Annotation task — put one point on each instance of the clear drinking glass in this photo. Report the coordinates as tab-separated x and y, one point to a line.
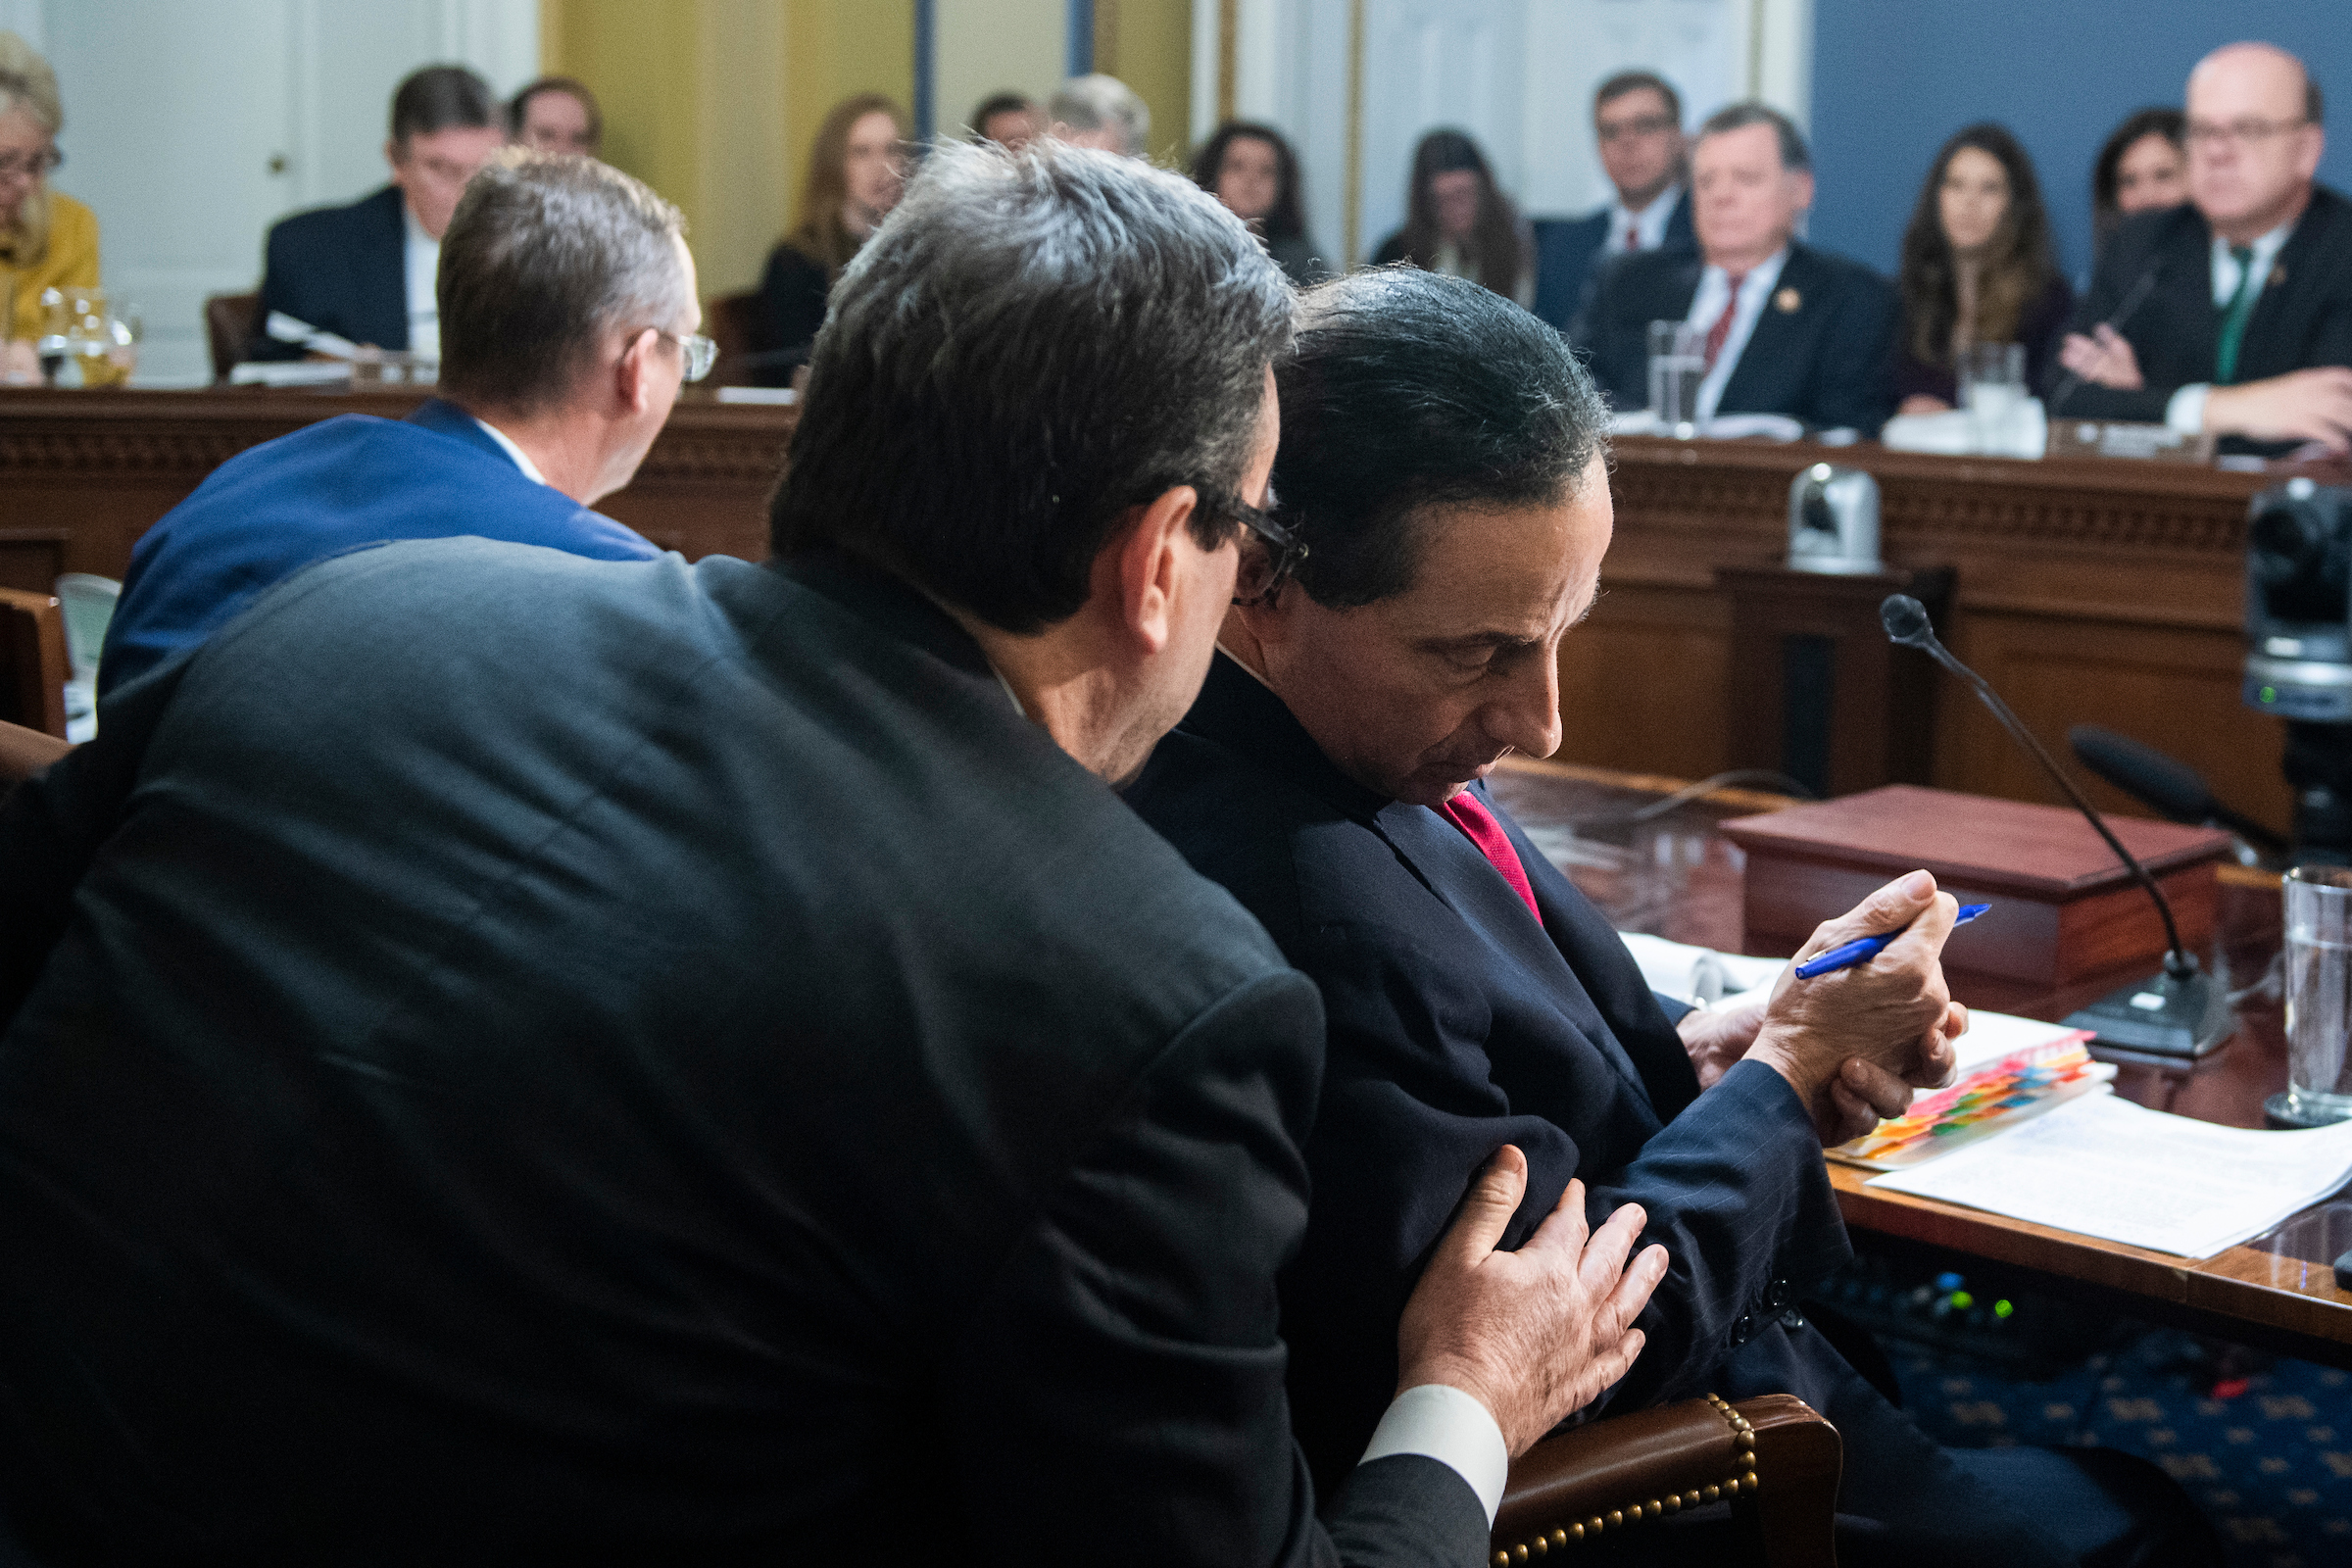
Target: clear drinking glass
1678	363
1992	388
2319	994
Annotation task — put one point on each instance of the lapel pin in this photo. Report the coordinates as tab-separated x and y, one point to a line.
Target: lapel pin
1787	301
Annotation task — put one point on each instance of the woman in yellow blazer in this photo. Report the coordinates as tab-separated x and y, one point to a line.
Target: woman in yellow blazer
47	240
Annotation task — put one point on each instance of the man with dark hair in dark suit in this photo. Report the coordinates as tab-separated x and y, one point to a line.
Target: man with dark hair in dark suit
2230	315
1788	329
1441	460
1638	123
517	1059
365	273
573	313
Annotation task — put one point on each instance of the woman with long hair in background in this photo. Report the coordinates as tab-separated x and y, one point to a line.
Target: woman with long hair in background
1250	167
1978	268
1460	223
857	169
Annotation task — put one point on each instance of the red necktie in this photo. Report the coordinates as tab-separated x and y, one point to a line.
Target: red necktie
1632	236
1477	825
1721	330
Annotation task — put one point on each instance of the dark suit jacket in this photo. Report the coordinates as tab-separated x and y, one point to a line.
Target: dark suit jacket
1828	363
1457	1025
2302	318
793	292
1569	260
329	487
548	1060
341	269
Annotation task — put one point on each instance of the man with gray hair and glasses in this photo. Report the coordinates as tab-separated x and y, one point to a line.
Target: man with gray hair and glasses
567	298
512	1057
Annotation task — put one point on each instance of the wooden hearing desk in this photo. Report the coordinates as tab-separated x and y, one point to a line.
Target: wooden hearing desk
83	475
1675	877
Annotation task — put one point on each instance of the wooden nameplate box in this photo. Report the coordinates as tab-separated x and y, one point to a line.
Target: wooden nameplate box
2063	906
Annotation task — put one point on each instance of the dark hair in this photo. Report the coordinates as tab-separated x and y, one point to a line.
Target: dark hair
1498	251
1285	218
1031	345
1407	390
519	106
1794	154
2019	260
999	103
2107	174
441	98
545	254
1624	82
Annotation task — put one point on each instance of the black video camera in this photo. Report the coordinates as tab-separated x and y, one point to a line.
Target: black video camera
2299	650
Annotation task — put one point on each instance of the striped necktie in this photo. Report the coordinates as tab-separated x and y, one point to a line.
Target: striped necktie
2234	322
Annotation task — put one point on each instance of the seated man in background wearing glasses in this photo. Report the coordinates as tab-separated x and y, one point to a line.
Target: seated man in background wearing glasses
2231	314
567	298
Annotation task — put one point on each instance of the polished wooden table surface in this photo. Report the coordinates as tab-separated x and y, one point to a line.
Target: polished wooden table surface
1673	875
83	475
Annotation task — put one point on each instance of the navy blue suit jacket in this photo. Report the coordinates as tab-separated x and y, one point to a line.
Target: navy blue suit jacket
330	487
340	268
524	1058
1458	1024
1569	262
1823	350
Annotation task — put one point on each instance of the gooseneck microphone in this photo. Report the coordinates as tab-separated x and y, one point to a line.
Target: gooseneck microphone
2182	1012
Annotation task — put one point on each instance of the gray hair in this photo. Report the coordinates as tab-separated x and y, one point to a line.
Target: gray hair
547	253
1029	347
1796	157
1097	103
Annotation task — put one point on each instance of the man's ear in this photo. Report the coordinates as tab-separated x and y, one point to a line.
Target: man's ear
1151	567
632	375
1804	189
392	157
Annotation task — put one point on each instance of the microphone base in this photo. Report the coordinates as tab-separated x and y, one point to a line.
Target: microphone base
2175	1017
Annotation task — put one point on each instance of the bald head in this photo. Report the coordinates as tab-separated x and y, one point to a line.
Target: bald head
2254	139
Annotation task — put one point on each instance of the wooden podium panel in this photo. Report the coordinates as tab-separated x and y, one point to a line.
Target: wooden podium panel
2088	590
2063	906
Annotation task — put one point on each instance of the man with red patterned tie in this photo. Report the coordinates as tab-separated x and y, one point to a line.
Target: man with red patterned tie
1442	464
1789	329
1638	125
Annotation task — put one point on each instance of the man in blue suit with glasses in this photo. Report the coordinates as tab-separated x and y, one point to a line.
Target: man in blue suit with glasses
568	298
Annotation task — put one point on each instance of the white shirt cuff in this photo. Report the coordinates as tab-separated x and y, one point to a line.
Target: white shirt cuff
1441	1422
2185	412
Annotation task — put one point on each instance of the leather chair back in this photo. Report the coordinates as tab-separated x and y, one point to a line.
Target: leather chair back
33	666
227	324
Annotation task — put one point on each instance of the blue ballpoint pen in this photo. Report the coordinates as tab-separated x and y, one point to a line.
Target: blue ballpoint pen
1869	948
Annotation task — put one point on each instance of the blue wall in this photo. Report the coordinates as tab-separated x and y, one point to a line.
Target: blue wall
1892	78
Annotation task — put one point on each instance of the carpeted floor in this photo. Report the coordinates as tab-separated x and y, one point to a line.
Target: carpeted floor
2265	1447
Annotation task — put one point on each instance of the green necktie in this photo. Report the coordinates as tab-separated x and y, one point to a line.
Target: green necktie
2234	324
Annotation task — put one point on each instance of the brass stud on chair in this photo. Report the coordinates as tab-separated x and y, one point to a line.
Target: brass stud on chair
1596	1524
1713	1492
1617	1517
1540	1544
1674	1502
1560	1537
1519	1554
1502	1559
1576	1531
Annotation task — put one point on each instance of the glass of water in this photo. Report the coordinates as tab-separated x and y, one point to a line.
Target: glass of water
2319	994
1678	363
1992	388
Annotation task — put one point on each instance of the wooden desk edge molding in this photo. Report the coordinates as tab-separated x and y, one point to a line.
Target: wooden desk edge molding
83	474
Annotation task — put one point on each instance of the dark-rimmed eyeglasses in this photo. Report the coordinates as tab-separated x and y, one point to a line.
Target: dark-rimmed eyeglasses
1269	559
699	353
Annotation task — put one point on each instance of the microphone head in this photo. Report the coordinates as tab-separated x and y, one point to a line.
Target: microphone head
1906	622
2167	783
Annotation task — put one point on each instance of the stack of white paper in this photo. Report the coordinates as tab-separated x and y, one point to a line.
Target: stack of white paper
1699	974
2107	1168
